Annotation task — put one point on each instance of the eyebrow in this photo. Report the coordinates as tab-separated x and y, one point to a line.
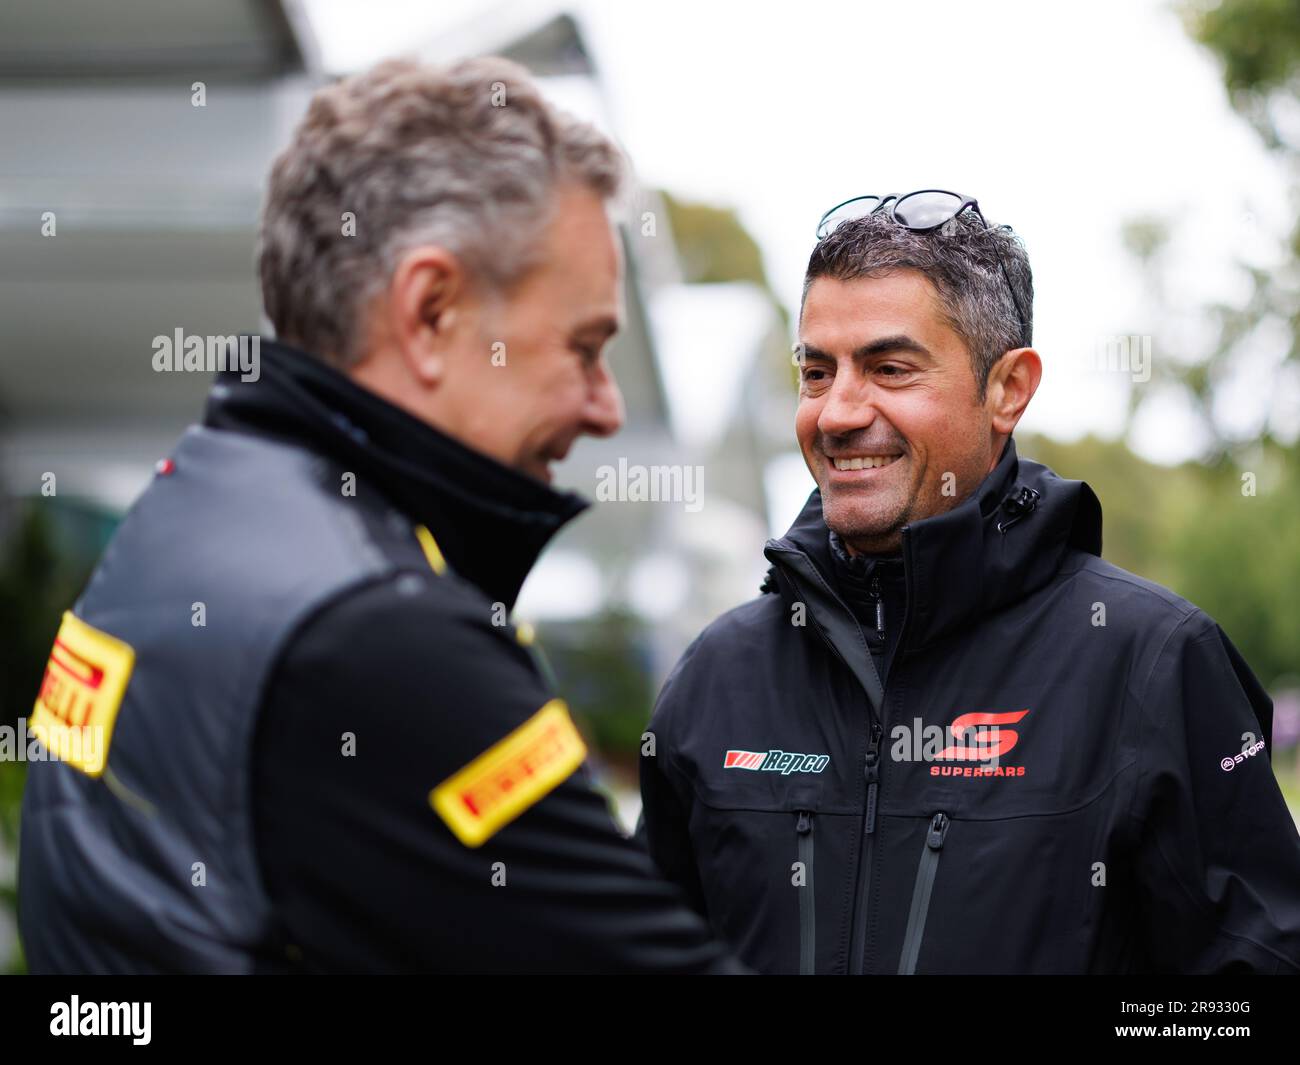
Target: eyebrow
898	342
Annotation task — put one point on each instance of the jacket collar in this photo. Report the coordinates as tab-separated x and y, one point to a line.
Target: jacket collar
1001	543
490	521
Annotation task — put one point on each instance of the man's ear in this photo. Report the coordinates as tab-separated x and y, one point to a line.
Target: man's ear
1013	380
426	302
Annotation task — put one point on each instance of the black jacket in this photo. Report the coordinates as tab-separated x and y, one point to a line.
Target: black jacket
356	763
363	873
1122	817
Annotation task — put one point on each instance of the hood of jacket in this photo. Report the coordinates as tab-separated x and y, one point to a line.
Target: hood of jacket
491	522
997	546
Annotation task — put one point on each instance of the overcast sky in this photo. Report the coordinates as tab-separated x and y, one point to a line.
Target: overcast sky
1063	120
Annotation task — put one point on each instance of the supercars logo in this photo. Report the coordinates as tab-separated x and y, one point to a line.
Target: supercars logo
982	745
980	737
774	761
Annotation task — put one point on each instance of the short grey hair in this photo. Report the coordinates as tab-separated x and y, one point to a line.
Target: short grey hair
960	259
465	157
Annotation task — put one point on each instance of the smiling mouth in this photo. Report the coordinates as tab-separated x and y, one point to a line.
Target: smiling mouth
864	462
544	462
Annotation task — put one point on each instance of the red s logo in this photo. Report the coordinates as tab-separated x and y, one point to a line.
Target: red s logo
993	744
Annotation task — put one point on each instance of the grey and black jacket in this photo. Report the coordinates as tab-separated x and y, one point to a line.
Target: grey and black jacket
333	751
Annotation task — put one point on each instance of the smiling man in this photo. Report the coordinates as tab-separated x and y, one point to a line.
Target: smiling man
949	738
939	439
327	747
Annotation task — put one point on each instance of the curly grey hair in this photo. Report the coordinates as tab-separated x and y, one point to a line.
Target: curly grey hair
960	259
466	157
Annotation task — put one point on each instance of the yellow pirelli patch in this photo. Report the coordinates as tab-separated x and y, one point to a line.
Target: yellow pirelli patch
510	776
81	693
432	552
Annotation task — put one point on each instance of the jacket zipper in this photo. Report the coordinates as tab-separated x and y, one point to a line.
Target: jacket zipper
807	900
880	608
920	908
871	771
862	884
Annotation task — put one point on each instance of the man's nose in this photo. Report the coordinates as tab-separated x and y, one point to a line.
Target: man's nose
604	412
848	407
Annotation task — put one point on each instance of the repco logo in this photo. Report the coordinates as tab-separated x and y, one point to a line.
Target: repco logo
980	737
783	762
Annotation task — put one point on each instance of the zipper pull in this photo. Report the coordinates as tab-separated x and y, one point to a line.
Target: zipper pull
880	607
872	773
804	824
873	750
938	830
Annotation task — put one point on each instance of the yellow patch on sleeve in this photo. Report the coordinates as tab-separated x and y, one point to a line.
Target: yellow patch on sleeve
432	552
510	776
81	693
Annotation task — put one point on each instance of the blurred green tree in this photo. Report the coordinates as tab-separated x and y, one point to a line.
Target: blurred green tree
1257	44
39	578
1223	531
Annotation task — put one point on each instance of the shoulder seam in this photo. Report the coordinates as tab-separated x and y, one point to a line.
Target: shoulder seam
1141	584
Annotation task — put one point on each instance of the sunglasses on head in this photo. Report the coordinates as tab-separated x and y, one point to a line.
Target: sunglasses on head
920	212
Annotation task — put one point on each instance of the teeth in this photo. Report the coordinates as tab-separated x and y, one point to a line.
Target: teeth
864	462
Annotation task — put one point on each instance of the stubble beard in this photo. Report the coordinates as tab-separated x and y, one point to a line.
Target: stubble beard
862	530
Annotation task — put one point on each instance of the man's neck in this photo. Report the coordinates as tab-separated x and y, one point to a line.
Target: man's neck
847	550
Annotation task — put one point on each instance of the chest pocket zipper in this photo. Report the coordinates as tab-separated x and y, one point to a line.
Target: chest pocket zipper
925	871
807	903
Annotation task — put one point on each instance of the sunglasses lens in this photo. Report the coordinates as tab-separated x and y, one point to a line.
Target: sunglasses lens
927	210
858	208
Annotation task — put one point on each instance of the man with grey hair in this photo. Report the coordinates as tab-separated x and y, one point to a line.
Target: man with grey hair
949	738
328	748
